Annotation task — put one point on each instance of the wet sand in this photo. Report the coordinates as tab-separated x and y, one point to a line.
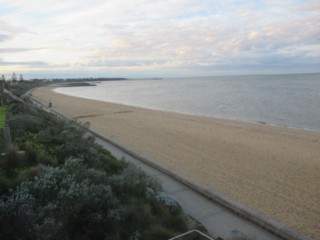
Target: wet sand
273	170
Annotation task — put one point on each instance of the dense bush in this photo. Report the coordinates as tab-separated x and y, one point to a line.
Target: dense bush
73	201
64	186
23	87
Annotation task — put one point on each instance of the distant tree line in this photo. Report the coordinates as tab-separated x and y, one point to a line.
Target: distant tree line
14	78
93	79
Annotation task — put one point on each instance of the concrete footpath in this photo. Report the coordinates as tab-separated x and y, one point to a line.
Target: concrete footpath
219	221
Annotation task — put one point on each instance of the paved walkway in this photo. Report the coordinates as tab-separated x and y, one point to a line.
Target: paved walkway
219	221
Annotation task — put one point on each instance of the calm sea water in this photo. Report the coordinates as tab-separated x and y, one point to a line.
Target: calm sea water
285	100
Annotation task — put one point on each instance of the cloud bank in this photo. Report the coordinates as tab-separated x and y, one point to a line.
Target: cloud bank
159	38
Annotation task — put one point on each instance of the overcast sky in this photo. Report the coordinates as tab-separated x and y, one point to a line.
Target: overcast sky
158	38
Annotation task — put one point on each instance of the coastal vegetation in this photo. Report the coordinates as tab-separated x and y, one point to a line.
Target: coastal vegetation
3	111
57	183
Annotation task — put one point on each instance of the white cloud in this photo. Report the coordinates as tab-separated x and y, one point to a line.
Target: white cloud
144	34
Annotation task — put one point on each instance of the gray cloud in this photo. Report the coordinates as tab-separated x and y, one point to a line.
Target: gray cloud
311	5
31	63
165	35
269	65
4	37
15	50
124	63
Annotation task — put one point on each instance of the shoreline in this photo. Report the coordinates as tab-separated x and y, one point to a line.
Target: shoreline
198	115
230	120
273	170
252	102
262	122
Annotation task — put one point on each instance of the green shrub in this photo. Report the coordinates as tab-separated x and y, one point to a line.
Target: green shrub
23	125
12	160
75	201
23	87
73	189
31	154
29	173
4	183
58	203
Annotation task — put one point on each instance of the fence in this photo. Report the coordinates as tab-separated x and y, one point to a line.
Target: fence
6	133
192	235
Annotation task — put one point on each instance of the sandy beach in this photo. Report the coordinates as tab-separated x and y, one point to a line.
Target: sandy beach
273	170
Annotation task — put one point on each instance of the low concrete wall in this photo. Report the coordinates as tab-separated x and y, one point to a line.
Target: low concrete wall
280	230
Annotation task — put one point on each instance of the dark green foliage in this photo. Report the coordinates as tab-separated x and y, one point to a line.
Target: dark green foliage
45	133
73	201
22	124
23	87
29	173
16	167
12	160
67	187
5	183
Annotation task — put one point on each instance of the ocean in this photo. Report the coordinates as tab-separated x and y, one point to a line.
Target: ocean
289	100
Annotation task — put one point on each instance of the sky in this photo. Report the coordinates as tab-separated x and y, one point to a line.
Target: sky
158	38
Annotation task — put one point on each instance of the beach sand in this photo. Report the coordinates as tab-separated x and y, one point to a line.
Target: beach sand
273	170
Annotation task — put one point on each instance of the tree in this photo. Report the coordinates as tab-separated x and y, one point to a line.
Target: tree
21	78
14	77
3	78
